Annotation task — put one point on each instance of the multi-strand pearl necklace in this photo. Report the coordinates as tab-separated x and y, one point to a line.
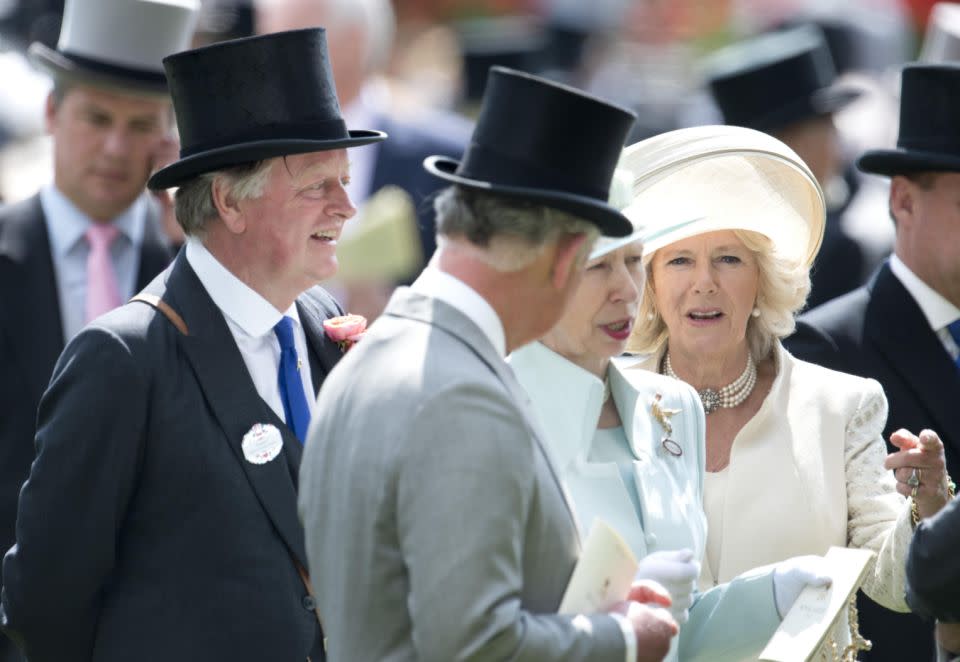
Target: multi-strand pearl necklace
731	395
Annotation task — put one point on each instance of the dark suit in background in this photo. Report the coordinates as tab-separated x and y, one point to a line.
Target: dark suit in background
879	331
933	566
399	162
31	339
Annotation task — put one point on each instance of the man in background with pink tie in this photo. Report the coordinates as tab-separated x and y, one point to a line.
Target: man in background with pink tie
90	239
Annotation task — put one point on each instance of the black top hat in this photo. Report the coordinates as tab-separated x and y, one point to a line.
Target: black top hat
254	98
774	80
929	137
546	142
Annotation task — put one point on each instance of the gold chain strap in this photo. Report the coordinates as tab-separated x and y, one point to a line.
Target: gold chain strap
831	651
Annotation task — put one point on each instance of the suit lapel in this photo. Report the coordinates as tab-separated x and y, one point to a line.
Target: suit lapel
896	326
407	303
324	353
30	294
234	401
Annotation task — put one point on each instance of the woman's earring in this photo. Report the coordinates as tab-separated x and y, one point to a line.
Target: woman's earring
755	312
651	316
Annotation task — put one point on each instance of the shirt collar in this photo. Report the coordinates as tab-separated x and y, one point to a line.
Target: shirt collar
453	291
71	223
938	311
253	314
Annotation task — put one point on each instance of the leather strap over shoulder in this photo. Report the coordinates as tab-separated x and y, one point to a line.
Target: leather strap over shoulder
163	307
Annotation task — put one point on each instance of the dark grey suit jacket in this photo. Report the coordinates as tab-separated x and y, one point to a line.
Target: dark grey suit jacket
437	529
143	532
31	339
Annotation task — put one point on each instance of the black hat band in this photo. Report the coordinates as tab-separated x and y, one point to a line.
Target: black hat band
487	164
321	130
113	70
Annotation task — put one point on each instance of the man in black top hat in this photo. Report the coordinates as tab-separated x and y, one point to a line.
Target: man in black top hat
109	116
426	455
784	83
901	327
159	521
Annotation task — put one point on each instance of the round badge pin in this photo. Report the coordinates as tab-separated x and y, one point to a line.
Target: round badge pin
262	443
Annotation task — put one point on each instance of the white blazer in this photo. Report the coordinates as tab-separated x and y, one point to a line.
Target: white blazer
729	623
806	472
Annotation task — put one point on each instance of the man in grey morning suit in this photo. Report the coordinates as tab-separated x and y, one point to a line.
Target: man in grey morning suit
436	528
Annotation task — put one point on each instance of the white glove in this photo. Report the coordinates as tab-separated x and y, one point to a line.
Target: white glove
677	572
792	575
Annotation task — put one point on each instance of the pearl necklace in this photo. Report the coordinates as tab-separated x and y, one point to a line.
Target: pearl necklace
731	395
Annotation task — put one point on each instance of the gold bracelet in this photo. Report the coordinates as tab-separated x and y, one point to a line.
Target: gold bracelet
915	510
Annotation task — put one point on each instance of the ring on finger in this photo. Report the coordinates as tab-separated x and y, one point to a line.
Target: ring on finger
913	492
914	480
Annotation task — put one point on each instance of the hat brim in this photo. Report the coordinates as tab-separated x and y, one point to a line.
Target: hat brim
63	67
610	221
704	179
189	167
832	99
890	162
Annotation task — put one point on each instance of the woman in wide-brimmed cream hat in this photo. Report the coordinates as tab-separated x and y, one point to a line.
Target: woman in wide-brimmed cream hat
795	460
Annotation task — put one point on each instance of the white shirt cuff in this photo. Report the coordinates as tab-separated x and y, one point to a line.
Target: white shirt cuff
629	637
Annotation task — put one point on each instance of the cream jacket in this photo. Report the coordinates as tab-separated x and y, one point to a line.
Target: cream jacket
806	473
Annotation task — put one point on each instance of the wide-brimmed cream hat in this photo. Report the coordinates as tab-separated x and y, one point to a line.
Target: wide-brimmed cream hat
702	179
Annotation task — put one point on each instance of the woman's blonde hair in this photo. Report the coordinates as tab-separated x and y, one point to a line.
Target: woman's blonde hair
781	292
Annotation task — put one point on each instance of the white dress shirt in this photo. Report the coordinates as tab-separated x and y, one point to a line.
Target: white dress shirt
454	292
938	311
251	319
66	227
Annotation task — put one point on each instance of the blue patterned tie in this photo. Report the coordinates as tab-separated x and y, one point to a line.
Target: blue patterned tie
295	406
954	329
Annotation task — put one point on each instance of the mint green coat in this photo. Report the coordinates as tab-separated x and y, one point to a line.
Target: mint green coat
728	623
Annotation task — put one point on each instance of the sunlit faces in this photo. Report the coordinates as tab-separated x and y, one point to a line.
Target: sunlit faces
705	288
600	316
290	232
105	144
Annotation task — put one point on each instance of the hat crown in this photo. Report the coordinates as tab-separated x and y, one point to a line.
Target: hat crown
269	87
929	107
703	179
769	81
540	134
133	34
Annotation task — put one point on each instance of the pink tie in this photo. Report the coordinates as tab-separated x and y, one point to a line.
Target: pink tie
103	294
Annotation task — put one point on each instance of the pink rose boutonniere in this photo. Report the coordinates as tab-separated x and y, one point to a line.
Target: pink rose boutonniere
345	330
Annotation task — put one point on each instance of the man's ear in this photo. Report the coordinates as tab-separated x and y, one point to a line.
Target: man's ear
568	259
227	207
903	199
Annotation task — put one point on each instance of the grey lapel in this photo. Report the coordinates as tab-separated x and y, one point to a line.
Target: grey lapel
235	403
408	304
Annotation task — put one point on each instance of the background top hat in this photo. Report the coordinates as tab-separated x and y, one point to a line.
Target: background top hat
254	98
118	44
941	43
929	135
545	142
776	79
